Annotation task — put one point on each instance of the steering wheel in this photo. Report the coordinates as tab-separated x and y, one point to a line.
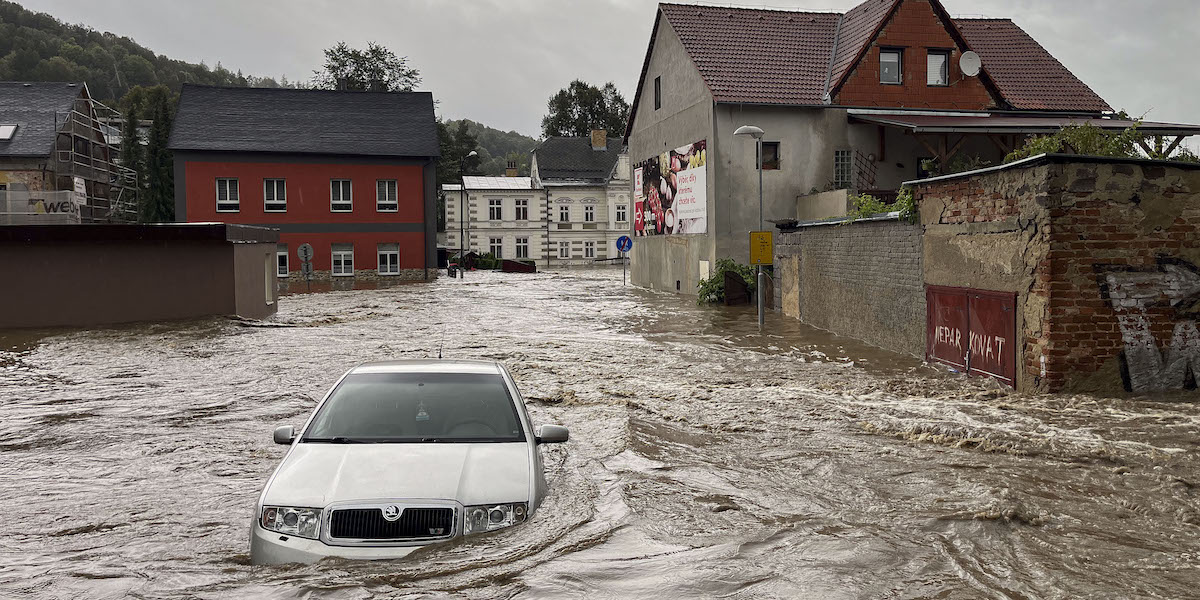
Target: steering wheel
464	424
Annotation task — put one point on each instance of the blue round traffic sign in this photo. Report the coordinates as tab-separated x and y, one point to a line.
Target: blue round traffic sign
624	243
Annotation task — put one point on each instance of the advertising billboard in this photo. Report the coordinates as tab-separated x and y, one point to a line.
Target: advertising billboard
670	194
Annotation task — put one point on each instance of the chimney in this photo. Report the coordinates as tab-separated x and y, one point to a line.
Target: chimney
599	140
511	170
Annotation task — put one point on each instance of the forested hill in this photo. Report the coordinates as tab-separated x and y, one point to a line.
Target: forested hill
38	47
497	147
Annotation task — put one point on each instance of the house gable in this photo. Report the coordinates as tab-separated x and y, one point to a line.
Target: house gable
680	84
915	27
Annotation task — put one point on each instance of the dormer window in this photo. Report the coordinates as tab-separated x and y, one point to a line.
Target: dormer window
938	65
7	132
890	65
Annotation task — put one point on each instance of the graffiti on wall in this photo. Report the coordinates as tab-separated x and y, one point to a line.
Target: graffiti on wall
1137	295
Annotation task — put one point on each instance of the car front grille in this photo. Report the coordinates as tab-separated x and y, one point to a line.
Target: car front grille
369	524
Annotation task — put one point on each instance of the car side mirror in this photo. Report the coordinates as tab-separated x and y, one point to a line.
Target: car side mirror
551	434
285	434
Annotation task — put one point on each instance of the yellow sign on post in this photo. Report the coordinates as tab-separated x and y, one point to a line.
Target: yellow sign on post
762	248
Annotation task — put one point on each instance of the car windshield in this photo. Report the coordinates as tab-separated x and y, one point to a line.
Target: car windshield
417	407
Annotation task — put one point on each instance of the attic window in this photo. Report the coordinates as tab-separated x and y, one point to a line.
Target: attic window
7	132
890	64
937	65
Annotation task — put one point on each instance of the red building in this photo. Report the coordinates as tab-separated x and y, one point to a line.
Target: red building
351	173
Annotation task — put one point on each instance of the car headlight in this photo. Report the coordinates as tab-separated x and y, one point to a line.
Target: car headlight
301	522
477	519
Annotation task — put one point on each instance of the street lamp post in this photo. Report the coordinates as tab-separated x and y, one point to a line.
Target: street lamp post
757	134
462	213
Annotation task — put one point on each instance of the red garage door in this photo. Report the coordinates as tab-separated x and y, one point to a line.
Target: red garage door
972	330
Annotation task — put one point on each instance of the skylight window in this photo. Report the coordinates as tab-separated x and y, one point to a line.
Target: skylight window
7	132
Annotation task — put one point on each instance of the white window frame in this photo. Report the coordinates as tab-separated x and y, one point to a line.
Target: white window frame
843	159
564	213
899	52
521	209
622	213
389	197
522	247
943	70
275	185
342	186
589	249
338	257
564	249
496	246
235	199
589	213
281	251
495	209
385	254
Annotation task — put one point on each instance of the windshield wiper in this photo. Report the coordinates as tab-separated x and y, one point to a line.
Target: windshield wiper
338	439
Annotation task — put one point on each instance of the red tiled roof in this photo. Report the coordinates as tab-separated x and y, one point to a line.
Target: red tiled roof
788	57
1028	76
859	26
769	56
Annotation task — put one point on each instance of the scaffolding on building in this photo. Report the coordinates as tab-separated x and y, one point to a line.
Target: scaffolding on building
86	157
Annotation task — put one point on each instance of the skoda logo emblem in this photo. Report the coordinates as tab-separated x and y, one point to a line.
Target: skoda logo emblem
392	512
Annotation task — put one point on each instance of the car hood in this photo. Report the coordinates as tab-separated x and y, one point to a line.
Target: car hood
317	474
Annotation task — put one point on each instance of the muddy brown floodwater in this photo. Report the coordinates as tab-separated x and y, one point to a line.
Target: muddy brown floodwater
705	460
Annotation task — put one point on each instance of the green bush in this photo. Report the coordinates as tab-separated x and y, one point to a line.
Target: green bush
712	288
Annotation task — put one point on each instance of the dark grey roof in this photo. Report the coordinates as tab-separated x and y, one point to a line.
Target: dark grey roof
38	109
572	158
230	119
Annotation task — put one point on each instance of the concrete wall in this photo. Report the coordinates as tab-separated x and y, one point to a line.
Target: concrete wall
822	205
862	280
673	262
104	274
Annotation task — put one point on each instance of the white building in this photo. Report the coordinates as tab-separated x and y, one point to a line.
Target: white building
570	212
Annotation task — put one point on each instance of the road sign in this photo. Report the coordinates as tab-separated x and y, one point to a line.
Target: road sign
306	268
762	248
624	243
305	252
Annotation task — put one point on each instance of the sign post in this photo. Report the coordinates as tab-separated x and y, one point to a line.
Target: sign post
305	252
624	244
762	249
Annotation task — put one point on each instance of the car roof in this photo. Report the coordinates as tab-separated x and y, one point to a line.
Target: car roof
432	365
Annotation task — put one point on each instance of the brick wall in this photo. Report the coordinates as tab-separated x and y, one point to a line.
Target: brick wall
862	280
914	28
1103	257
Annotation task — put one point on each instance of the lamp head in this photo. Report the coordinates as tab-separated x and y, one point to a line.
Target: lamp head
749	130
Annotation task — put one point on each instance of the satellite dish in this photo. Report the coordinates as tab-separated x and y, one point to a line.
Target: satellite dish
969	63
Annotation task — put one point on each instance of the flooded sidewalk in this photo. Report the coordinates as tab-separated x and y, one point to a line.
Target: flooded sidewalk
706	459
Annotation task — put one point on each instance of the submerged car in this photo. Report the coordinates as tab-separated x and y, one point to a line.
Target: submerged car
399	455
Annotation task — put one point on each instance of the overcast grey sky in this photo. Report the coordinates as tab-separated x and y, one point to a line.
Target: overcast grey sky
498	61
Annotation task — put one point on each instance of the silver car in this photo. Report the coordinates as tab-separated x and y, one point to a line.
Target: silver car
399	455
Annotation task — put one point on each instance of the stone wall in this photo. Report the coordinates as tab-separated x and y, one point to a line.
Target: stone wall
862	280
1102	255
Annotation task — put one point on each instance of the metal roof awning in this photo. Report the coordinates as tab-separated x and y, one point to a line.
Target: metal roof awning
1010	124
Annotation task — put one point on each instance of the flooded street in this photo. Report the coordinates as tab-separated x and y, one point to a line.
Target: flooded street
705	460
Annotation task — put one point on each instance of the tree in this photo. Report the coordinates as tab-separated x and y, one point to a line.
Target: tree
159	203
580	107
455	145
375	69
131	149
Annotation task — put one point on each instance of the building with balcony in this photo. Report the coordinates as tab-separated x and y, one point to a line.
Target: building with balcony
850	103
351	173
